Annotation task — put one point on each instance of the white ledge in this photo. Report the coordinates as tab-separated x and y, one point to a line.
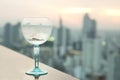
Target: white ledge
13	66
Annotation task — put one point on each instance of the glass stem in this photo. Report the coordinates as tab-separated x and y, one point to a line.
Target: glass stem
36	55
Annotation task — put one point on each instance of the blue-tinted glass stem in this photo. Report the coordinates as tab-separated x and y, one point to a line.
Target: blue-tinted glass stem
36	55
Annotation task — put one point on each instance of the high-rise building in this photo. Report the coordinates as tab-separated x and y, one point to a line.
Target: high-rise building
86	25
89	27
113	66
7	35
16	32
61	44
12	36
59	51
62	38
91	50
92	58
92	30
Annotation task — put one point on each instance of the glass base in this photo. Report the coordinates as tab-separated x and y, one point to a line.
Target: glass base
37	72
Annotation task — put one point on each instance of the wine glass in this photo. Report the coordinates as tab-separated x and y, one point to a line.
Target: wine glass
36	31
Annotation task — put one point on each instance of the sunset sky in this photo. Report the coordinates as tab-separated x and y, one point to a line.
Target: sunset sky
106	12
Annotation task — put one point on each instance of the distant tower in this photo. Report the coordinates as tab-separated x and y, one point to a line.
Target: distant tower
68	39
62	38
7	35
12	36
59	46
58	37
91	50
60	32
89	27
92	30
86	25
17	36
16	32
113	66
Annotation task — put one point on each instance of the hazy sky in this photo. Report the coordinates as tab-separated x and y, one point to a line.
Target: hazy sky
106	12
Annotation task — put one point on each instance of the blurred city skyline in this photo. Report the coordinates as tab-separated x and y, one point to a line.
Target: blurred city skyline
107	13
87	53
86	42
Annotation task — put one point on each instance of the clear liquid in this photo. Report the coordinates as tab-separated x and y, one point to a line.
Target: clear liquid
37	38
36	34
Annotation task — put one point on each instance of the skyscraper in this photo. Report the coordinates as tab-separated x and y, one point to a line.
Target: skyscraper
17	36
57	46
7	35
61	43
62	38
91	50
113	66
89	27
16	32
92	30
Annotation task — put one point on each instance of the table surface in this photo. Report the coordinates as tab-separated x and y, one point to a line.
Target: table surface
13	66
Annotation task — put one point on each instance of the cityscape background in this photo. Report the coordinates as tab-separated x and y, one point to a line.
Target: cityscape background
86	53
85	41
